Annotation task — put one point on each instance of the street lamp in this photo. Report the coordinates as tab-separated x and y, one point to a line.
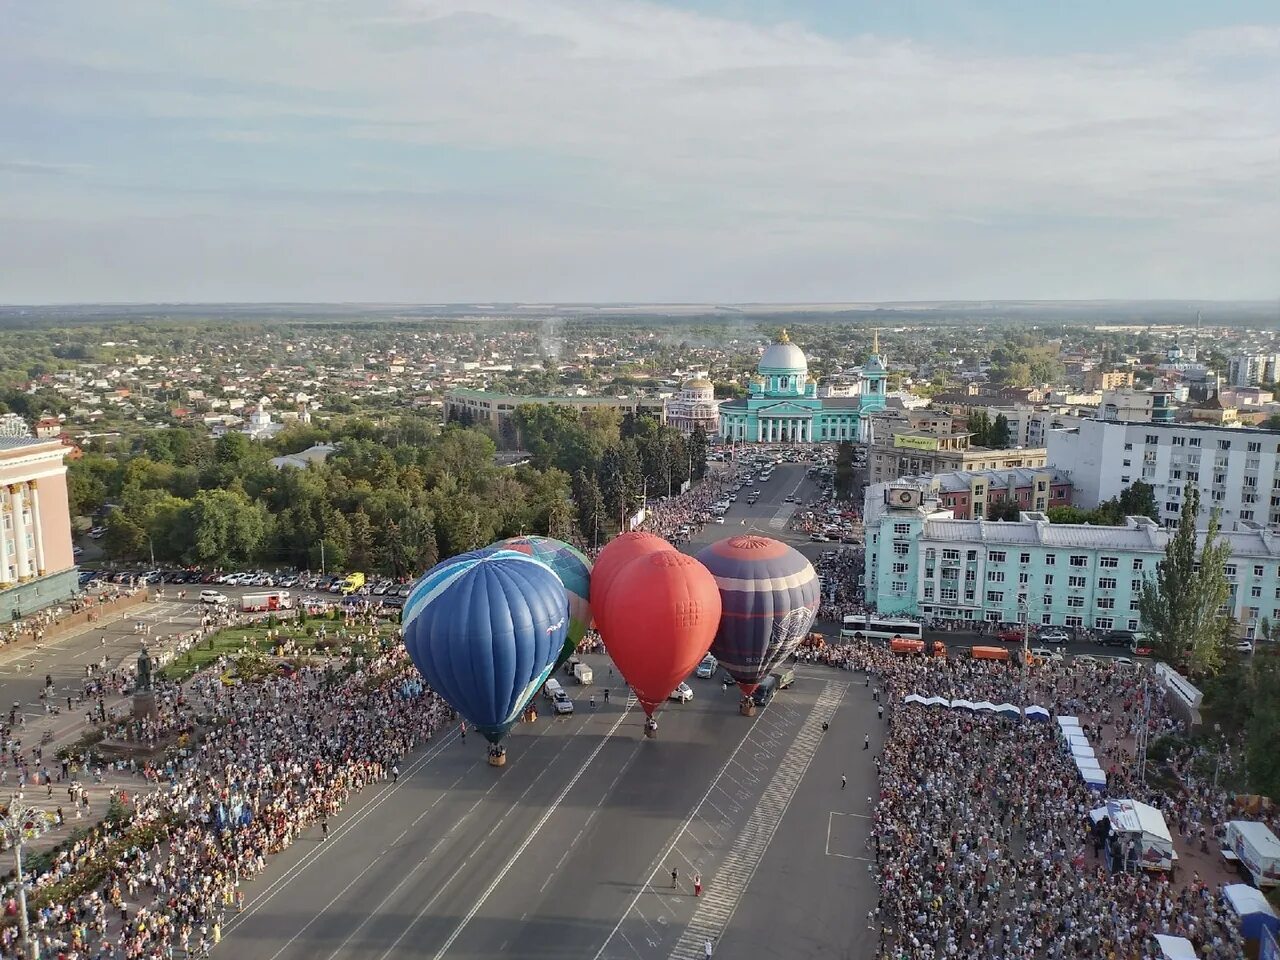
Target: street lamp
1026	644
22	822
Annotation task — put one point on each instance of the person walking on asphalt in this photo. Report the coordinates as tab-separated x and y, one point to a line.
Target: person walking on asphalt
697	884
880	711
675	878
707	948
606	694
866	742
844	781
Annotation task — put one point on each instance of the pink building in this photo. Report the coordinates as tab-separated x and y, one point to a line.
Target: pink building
37	567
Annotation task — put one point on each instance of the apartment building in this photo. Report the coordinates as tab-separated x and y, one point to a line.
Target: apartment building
921	561
911	454
1237	469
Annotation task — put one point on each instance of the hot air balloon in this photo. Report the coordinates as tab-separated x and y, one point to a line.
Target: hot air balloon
769	596
484	630
617	553
661	612
574	570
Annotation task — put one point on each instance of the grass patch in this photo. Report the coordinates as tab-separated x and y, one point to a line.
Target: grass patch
235	640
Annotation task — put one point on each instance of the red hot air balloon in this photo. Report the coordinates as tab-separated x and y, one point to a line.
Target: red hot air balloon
617	553
661	614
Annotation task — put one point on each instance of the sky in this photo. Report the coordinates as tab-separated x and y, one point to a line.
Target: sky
631	150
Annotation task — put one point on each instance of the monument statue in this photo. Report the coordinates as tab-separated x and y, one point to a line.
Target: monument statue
144	670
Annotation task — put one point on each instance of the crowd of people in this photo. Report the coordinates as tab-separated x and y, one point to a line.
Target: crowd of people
274	758
37	626
981	837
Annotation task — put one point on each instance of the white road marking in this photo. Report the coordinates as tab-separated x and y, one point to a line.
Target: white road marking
519	850
721	897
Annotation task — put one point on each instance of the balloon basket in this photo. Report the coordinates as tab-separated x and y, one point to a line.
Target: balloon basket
747	707
497	757
651	729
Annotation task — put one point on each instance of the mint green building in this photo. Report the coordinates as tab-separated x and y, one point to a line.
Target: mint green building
783	405
921	562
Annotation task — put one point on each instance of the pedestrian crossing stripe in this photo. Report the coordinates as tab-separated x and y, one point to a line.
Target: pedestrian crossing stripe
721	896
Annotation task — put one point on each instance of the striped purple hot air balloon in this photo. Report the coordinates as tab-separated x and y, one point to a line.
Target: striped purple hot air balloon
769	596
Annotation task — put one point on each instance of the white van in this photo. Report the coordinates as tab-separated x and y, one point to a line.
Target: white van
707	668
551	688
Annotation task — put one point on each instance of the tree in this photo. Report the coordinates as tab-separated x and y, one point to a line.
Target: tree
590	504
698	451
1004	509
1139	500
222	527
998	437
1181	606
1272	422
1262	730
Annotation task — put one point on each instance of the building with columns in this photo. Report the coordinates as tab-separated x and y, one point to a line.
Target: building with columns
783	405
37	567
695	407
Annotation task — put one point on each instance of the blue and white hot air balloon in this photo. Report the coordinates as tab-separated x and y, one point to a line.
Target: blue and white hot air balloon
484	630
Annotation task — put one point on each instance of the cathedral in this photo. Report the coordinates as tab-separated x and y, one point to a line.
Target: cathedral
783	405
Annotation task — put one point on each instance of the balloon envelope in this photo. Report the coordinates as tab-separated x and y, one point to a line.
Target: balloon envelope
617	553
769	596
484	629
574	570
662	610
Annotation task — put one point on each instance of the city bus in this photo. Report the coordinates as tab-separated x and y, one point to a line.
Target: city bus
857	627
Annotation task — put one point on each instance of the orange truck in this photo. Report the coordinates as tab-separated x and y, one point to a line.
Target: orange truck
905	646
989	653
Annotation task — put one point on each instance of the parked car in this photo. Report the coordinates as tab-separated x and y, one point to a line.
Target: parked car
1117	638
682	693
1011	635
561	703
1053	636
213	596
1244	646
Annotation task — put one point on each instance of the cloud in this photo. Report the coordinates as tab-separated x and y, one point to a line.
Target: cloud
648	126
40	169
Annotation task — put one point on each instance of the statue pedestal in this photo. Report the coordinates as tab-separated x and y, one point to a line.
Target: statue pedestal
144	705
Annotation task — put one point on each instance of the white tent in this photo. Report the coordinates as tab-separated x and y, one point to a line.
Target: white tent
1065	721
1092	775
1084	752
913	698
1175	948
1253	909
1143	824
984	705
1077	741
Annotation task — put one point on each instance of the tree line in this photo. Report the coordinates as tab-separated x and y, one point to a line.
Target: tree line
393	497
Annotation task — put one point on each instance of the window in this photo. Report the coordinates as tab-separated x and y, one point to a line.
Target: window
973	555
1075	601
1254	446
1135	604
1106	583
1110	562
1255	592
995	576
995	596
1024	578
1246	514
1126	464
1076	583
900	587
902	529
1229	570
1224	444
1048	579
1128	446
1048	599
1103	623
1106	603
1257	569
928	591
1193	442
996	556
1079	560
1133	624
948	594
1024	558
1135	586
1179	441
1050	559
901	549
1072	621
1152	439
950	554
899	568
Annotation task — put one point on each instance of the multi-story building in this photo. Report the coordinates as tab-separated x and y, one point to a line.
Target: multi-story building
1252	369
910	454
1137	406
921	561
37	567
1237	469
969	495
695	406
494	408
1097	380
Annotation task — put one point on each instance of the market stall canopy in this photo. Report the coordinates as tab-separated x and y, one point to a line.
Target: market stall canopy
1146	826
1175	948
1252	908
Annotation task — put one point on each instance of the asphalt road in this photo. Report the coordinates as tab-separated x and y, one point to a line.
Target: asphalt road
567	851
